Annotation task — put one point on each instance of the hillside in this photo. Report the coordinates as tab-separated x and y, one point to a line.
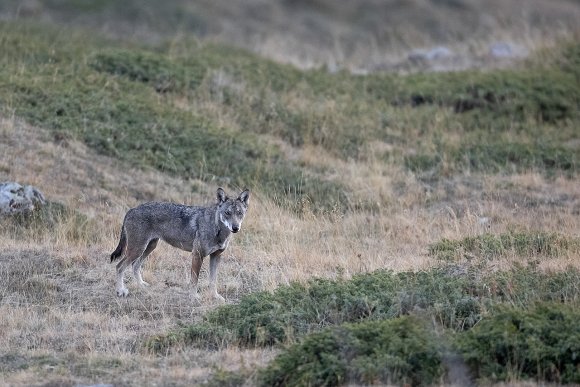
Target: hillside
432	207
357	35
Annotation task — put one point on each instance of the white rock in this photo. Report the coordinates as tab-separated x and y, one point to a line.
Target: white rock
16	198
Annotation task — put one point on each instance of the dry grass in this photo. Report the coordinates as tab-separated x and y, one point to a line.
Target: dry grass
62	323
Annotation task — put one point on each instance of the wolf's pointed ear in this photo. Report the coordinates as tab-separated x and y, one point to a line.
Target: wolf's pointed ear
221	196
244	196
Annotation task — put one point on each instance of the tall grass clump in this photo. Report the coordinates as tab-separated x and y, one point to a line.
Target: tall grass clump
52	220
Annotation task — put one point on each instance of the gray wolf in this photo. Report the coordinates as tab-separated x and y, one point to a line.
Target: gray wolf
201	230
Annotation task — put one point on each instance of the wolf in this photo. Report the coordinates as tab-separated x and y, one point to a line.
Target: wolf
201	230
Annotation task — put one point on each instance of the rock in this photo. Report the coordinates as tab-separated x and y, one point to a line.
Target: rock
507	50
15	198
430	55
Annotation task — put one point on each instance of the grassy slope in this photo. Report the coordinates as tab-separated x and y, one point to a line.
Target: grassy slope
165	109
371	171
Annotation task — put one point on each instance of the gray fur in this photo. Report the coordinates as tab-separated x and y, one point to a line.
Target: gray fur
202	230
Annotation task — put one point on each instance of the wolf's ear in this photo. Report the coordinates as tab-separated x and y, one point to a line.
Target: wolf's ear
244	197
221	195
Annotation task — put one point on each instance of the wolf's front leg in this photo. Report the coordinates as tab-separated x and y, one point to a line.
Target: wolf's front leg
214	262
196	261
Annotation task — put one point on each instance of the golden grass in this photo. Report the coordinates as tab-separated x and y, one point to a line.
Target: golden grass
61	322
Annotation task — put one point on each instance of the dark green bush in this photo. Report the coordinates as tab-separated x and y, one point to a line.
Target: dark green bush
399	351
156	70
542	343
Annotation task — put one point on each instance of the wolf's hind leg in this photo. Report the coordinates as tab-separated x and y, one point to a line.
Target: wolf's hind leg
122	291
196	261
139	262
132	253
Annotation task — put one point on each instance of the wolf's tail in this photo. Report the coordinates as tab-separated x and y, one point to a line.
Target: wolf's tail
122	242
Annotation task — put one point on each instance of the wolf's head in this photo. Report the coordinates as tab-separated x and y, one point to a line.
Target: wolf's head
231	212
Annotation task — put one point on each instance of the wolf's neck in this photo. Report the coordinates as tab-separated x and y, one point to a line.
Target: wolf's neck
222	231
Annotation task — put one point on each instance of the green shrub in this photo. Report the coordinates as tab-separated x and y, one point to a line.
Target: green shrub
543	94
452	297
542	343
156	70
399	351
516	157
505	157
489	246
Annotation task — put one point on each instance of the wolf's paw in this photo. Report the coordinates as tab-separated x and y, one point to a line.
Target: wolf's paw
219	297
124	292
144	284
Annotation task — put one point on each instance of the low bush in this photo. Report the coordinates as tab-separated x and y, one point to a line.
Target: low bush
454	299
290	312
540	342
156	70
399	351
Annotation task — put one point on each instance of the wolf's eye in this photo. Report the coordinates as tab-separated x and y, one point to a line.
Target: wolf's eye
239	213
228	213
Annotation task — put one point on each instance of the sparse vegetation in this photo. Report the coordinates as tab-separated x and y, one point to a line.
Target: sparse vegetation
73	225
488	246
